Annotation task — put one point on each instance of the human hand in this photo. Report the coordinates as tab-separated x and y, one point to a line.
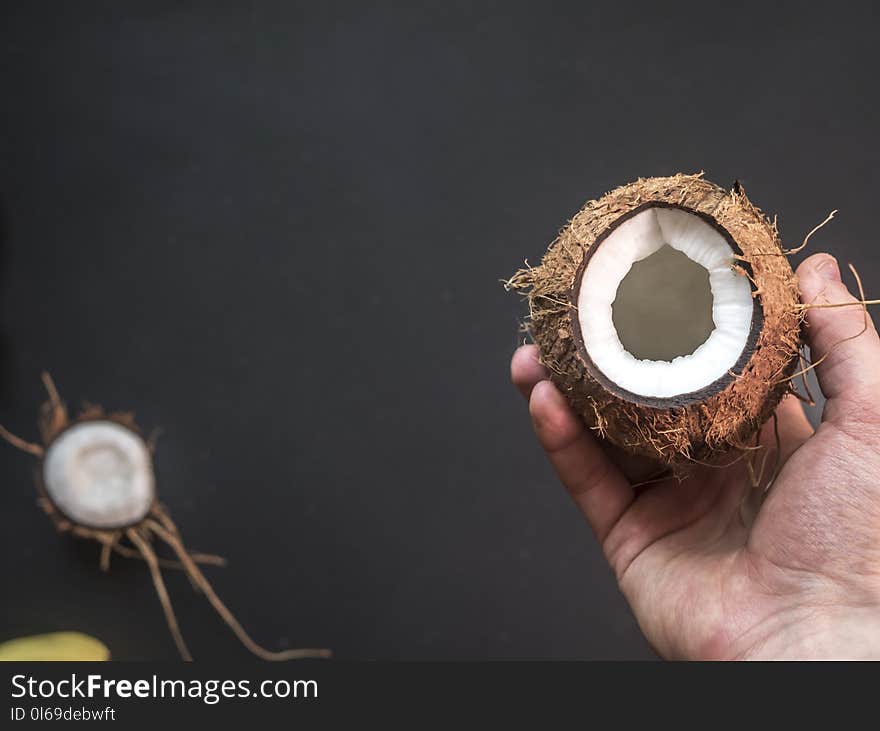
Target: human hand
706	574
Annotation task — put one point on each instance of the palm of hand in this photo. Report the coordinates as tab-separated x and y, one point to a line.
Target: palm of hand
720	580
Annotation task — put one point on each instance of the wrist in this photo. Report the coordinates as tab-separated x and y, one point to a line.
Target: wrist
824	633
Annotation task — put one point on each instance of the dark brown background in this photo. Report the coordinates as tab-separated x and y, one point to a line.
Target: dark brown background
277	231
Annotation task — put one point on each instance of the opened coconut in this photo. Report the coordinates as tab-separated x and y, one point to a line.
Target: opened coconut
666	312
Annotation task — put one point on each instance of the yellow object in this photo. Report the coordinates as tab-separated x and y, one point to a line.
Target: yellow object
56	646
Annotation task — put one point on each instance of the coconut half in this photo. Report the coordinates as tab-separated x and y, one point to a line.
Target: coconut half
100	474
666	312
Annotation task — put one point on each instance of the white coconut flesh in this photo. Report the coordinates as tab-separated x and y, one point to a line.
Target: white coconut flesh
650	284
100	474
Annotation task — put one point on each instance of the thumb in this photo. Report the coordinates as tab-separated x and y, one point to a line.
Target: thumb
842	341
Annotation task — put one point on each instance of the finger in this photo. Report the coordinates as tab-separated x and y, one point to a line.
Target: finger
843	341
596	485
526	369
661	511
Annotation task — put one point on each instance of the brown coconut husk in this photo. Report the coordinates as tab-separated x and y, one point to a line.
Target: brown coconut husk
695	427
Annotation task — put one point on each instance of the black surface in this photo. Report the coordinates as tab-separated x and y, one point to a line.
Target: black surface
277	232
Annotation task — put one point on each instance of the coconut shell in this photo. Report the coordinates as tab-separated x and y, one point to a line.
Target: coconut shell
700	426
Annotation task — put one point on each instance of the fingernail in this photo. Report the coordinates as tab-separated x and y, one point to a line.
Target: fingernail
828	269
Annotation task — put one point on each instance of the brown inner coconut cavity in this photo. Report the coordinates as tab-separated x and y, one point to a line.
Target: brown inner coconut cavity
663	306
